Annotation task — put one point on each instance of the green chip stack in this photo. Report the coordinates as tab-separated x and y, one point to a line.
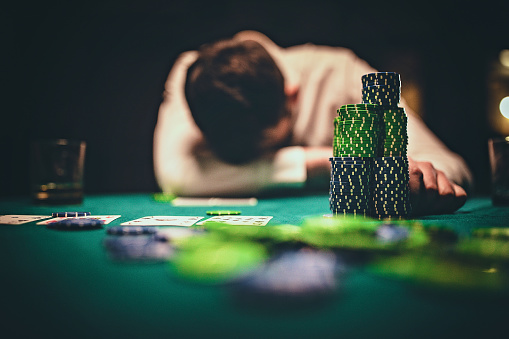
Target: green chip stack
357	131
374	132
394	132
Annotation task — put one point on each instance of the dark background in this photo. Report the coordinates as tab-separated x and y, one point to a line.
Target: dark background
96	70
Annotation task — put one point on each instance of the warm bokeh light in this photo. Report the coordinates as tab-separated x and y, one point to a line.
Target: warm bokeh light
504	57
504	107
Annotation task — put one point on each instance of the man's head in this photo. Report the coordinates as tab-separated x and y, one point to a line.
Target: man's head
236	95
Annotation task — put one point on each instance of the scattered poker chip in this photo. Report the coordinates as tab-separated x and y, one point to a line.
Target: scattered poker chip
164	197
69	214
304	275
138	248
131	230
340	232
438	272
489	250
392	233
501	233
76	224
273	233
219	261
223	212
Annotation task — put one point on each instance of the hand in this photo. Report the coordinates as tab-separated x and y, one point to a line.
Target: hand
318	166
431	192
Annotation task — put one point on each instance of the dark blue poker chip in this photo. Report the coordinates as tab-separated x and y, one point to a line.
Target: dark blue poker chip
390	159
131	230
388	200
69	214
390	233
351	211
351	167
348	192
138	248
402	206
390	184
348	202
348	185
77	224
355	170
295	276
390	175
380	78
336	182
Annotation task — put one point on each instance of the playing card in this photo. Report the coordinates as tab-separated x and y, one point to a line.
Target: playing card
163	221
105	218
172	233
15	219
240	220
183	201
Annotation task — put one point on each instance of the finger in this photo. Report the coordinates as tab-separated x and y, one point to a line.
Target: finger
445	202
415	179
461	196
428	193
416	192
429	177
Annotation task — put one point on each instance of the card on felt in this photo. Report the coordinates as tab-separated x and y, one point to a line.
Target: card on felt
240	220
173	233
183	201
105	218
18	219
163	221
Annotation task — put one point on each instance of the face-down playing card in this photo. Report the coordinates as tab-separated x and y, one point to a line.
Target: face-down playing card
239	220
163	221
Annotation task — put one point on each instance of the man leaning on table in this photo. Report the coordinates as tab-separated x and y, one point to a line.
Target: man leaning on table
244	116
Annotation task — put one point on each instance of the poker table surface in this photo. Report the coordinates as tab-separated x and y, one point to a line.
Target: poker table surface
62	284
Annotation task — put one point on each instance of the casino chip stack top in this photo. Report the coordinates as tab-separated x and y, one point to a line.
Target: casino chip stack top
369	167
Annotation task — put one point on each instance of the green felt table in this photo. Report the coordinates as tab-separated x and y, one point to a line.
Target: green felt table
59	284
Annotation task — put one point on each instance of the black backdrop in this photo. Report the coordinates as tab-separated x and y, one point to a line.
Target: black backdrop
96	70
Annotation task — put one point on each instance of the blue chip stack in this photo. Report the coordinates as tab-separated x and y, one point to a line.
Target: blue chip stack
350	186
391	196
369	167
381	88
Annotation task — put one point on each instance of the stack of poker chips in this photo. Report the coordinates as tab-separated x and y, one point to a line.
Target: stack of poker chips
357	136
390	189
381	89
350	186
369	167
357	131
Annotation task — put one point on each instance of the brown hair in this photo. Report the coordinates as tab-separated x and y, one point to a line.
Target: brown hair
235	90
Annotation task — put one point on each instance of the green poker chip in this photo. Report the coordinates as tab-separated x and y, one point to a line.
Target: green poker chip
439	272
357	115
219	261
163	197
223	212
501	233
350	232
360	106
